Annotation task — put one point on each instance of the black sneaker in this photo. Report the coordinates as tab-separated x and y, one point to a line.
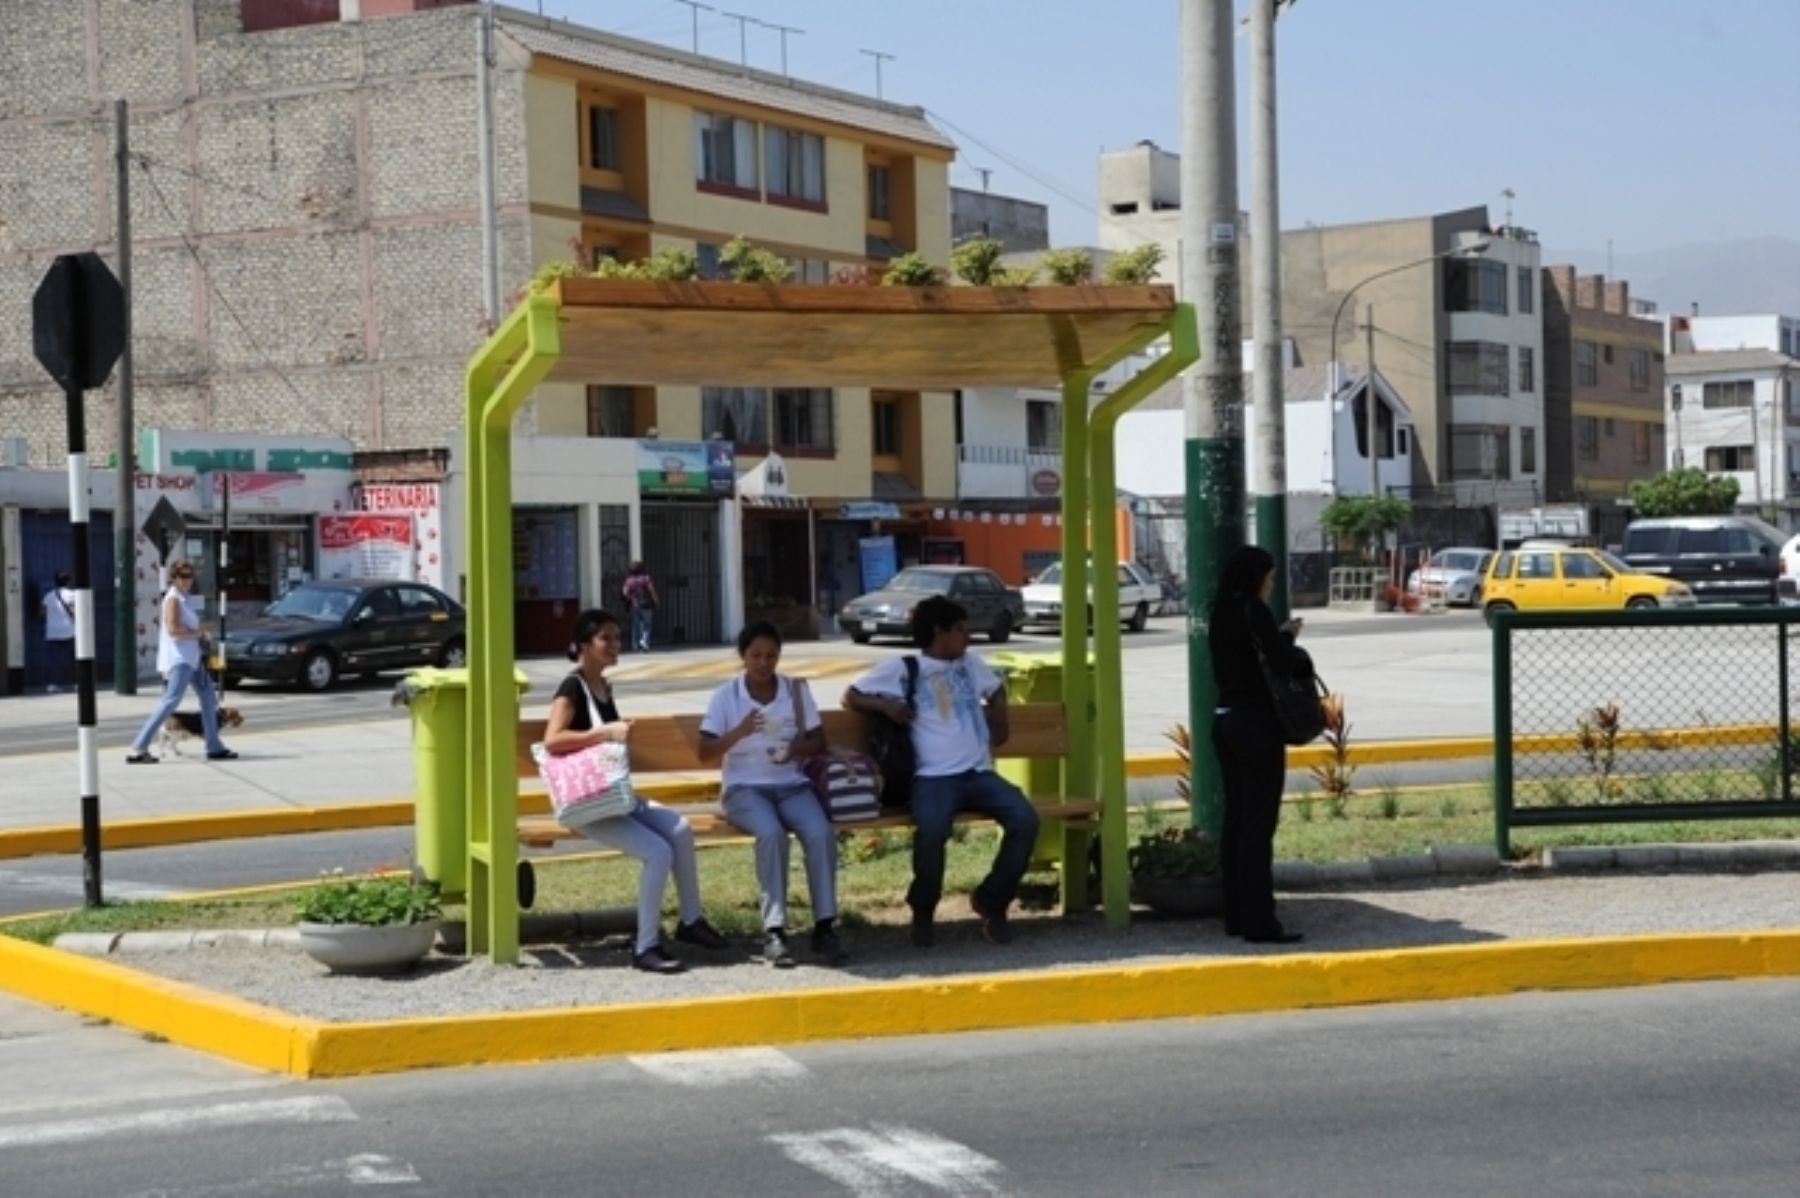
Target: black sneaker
994	927
776	951
654	960
702	934
922	933
222	755
828	948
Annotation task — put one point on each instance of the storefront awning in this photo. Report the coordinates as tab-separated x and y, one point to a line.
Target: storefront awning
785	503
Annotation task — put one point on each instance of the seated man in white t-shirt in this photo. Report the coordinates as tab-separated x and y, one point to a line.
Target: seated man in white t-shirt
958	712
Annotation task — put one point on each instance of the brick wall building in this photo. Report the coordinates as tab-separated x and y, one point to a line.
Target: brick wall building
304	212
1603	388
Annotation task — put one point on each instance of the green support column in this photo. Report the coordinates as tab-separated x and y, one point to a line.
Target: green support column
1215	503
517	357
1078	705
1271	534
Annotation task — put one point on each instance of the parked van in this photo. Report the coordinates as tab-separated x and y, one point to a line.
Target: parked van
1724	559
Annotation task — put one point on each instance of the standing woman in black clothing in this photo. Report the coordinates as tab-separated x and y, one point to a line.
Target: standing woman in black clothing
1248	740
583	714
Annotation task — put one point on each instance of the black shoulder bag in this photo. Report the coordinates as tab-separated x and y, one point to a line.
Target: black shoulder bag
1299	697
891	746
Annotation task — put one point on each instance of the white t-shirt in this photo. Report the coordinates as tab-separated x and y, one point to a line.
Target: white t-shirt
950	732
169	651
59	614
760	759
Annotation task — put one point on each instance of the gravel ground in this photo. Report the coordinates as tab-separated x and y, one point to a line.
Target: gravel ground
1520	906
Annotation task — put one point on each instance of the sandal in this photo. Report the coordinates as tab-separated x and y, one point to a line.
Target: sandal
140	759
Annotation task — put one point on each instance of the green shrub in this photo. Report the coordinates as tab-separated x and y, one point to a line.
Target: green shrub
1069	268
977	262
1174	853
748	264
374	900
1135	266
911	270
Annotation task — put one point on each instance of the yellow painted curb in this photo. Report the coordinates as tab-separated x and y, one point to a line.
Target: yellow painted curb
274	1040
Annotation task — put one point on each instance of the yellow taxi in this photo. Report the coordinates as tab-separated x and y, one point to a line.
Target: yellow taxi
1541	577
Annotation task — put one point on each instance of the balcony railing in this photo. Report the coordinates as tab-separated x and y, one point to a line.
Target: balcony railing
1007	472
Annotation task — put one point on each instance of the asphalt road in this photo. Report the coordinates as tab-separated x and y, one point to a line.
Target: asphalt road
1673	1090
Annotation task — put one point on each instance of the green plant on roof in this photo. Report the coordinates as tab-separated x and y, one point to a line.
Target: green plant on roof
749	264
1068	268
977	262
911	270
1135	266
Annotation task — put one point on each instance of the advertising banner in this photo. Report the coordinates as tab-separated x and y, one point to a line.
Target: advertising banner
880	562
366	546
700	469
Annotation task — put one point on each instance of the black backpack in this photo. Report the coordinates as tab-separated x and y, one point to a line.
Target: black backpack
891	746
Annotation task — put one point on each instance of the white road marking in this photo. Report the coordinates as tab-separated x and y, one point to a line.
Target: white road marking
206	1118
717	1069
891	1160
364	1169
53	884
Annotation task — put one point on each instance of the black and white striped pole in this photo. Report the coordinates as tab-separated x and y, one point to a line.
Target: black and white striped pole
78	318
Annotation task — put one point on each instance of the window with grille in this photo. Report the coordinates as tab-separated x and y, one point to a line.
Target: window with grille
610	412
1587	364
1527	370
1527	290
1735	394
1480	451
803	418
1528	451
1639	363
1721	458
1043	425
1587	438
1477	368
1474	285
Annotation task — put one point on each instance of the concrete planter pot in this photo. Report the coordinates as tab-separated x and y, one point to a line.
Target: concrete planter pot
364	948
1186	898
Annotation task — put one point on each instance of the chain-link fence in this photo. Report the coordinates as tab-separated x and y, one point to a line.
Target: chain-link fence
1614	717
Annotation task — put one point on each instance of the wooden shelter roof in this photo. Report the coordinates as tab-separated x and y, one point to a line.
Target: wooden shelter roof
629	332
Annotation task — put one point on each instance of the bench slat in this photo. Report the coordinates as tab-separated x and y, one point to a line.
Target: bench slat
542	832
671	743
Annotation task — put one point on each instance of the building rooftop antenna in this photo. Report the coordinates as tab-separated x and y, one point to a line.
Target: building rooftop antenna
879	57
695	6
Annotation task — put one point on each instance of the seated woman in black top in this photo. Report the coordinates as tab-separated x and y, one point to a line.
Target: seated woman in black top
1247	737
583	714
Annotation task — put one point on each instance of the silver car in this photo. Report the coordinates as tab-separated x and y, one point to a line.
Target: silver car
1457	572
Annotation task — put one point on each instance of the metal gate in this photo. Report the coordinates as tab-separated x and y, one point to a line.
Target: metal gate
681	550
44	538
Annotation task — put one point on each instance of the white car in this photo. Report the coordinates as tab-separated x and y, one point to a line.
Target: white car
1454	573
1139	597
1787	583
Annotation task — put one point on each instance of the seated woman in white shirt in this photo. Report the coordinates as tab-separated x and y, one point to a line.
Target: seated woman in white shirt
763	726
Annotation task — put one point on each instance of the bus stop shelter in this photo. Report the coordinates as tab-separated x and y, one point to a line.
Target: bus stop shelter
890	338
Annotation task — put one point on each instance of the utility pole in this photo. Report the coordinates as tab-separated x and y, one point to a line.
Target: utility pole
490	232
1372	405
743	39
125	469
878	56
1214	389
695	6
783	30
1269	480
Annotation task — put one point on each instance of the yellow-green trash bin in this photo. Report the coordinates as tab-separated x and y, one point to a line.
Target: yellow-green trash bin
439	701
1036	678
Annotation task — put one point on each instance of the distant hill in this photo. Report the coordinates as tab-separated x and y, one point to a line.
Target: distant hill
1726	278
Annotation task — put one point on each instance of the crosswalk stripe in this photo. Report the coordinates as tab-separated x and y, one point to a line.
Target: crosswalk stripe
713	1070
55	884
230	1114
890	1160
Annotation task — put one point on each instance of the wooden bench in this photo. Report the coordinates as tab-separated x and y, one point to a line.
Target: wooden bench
671	744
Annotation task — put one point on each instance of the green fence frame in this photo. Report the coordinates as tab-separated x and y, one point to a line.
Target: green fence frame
1508	624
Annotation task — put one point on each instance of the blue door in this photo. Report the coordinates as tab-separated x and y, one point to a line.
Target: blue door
45	537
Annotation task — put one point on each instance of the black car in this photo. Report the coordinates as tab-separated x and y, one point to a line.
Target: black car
320	631
1723	559
994	608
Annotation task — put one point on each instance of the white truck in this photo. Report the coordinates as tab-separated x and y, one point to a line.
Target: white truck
1139	597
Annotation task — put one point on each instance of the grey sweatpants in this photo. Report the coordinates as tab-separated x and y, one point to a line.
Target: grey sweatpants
769	813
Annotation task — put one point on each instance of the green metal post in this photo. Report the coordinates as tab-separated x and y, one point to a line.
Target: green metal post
517	357
1215	506
1783	743
1078	705
1503	763
1108	644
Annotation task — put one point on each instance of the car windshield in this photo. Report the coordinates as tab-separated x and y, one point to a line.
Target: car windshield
1050	575
323	605
1618	566
929	582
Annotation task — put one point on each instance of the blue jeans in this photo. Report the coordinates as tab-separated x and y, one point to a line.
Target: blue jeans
769	813
935	804
641	619
179	679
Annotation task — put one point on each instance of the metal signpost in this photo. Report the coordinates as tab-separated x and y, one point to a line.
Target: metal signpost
77	330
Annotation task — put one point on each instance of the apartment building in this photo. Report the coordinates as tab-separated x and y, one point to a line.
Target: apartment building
1737	412
308	259
1603	389
1458	334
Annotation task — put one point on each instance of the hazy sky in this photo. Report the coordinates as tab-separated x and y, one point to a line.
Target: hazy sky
1651	122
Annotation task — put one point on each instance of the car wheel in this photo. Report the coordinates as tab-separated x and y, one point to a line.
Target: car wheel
1002	630
861	638
1488	612
454	655
1640	601
318	671
1140	619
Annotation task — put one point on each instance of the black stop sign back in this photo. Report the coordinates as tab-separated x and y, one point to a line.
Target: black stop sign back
78	321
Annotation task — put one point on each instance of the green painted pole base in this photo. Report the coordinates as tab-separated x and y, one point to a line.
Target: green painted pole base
1214	511
1271	534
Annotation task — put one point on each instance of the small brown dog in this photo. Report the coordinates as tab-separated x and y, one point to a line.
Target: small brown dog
185	725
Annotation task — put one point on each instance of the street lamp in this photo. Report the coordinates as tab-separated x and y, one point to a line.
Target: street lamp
1333	386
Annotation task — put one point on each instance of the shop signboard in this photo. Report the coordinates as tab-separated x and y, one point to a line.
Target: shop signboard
366	546
880	562
424	503
697	469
